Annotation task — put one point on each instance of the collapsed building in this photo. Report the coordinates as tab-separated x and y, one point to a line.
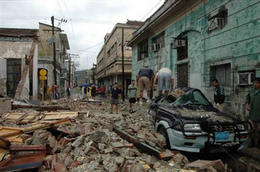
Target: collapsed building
18	63
24	52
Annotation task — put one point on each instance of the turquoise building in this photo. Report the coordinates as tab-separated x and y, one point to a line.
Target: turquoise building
201	40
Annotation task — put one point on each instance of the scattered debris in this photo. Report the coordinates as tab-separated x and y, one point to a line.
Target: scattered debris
87	138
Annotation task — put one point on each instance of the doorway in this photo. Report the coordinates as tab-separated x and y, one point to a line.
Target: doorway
13	76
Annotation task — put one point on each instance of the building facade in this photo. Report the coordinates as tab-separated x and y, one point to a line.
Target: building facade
46	56
200	40
109	60
70	73
84	76
18	63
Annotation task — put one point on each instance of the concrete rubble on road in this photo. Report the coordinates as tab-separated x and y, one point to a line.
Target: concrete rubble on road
86	139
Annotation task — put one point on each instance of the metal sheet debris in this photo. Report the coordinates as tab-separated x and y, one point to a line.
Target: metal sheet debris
23	157
23	118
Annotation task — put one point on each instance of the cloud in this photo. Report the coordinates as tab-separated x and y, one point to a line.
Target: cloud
88	20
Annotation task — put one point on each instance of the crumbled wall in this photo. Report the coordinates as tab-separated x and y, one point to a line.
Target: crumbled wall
2	77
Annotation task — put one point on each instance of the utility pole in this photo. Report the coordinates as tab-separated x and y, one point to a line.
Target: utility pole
123	66
54	50
70	56
93	76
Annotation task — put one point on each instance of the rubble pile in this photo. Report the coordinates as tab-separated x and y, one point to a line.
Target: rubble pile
91	140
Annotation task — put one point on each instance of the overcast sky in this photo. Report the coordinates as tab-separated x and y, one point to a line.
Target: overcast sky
88	20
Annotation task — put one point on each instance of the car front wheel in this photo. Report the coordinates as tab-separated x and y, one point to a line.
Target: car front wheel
163	132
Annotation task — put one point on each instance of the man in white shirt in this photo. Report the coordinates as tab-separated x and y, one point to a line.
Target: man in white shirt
165	81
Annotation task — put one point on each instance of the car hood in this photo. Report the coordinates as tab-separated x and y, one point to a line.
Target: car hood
205	114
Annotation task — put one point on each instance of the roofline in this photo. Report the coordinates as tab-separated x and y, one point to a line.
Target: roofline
117	25
147	22
31	35
18	28
121	25
49	25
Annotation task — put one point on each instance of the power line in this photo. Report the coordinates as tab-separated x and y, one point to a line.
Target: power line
15	0
70	20
151	9
91	46
60	9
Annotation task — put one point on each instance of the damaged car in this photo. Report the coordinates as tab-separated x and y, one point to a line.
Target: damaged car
191	123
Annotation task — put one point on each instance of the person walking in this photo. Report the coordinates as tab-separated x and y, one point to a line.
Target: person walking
68	91
144	78
132	95
165	81
93	91
219	94
115	97
253	106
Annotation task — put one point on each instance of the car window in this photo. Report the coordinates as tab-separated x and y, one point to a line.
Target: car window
194	97
199	98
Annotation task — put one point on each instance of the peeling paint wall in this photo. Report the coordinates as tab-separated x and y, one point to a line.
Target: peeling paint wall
236	43
18	50
2	76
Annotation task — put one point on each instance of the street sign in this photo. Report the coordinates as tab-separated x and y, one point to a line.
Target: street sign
51	40
43	77
43	72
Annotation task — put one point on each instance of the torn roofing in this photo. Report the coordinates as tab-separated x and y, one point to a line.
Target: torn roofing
17	32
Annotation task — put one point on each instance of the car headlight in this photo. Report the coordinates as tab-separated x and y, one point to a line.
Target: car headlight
241	127
192	127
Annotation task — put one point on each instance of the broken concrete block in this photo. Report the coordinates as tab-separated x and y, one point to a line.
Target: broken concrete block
99	137
81	159
119	160
74	164
167	154
178	160
108	150
40	137
110	165
78	141
117	144
48	161
87	147
68	161
52	142
216	165
60	167
28	141
156	165
101	146
136	168
5	105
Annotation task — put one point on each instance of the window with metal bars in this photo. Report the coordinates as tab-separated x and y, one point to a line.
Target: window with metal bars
142	50
182	51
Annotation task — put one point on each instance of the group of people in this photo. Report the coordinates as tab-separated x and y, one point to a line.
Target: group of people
252	105
146	80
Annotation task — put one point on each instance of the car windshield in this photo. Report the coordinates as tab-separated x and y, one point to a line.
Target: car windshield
193	97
